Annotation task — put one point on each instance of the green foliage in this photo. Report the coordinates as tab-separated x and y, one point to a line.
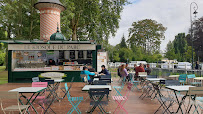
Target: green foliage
188	54
124	54
91	19
147	34
123	43
178	49
170	51
2	58
19	19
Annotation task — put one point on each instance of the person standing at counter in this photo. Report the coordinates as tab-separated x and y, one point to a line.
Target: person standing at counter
88	73
51	62
104	70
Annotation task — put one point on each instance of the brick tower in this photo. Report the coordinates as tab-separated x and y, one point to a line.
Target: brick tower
49	17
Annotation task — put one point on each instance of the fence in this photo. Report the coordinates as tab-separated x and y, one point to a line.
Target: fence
167	69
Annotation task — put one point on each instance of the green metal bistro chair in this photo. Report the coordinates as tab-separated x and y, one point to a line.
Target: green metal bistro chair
182	78
119	89
75	101
12	99
192	81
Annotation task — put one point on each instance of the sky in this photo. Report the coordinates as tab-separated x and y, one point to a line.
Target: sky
173	14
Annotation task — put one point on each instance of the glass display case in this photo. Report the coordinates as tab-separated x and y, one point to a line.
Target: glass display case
57	60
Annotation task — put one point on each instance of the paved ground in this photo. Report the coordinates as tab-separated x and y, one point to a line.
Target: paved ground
134	105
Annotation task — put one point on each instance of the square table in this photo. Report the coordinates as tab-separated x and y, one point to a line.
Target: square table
155	79
182	88
33	90
88	87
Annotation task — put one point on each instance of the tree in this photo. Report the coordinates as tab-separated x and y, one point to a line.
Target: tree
123	43
197	38
125	54
19	19
188	54
93	19
170	51
147	34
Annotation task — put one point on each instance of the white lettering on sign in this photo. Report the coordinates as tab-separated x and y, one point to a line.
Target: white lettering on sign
51	47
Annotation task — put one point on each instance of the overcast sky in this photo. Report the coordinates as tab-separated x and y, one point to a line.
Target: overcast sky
173	14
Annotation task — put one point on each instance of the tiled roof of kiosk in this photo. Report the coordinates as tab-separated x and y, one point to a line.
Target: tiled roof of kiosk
42	42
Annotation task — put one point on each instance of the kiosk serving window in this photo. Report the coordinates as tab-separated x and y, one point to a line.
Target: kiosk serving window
51	60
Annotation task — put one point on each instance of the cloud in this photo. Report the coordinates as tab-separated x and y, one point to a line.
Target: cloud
173	14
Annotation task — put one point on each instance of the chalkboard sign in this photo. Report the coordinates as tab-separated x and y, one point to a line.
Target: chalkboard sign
61	54
72	54
89	54
80	54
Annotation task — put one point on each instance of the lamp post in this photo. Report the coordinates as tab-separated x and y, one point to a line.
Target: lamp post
191	31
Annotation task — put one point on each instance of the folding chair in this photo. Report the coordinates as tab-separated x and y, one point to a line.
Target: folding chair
121	100
147	88
135	83
43	95
195	98
182	78
84	77
13	105
63	89
35	79
75	101
192	81
96	96
163	100
119	89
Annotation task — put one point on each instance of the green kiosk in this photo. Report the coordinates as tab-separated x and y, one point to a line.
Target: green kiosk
28	59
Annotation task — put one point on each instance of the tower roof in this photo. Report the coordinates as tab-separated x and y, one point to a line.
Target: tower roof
57	36
57	2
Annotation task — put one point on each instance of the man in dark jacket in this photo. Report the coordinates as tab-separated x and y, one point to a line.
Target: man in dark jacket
104	71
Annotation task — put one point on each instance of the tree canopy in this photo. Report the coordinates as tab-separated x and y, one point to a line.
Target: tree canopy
147	34
91	19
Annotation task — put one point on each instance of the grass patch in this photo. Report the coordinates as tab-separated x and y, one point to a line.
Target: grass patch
3	75
3	81
2	68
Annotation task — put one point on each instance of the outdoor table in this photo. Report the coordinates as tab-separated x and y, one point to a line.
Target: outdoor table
142	76
55	86
95	79
174	76
35	93
155	79
88	87
182	88
96	95
149	87
199	78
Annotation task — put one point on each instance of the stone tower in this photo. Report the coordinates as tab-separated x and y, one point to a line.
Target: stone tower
49	17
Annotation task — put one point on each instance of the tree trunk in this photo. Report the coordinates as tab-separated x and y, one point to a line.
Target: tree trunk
74	35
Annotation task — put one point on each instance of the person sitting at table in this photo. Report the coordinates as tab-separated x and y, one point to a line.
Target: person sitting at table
88	73
139	69
104	70
148	69
51	62
126	67
123	72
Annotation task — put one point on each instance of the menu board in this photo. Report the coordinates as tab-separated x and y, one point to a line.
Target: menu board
101	60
